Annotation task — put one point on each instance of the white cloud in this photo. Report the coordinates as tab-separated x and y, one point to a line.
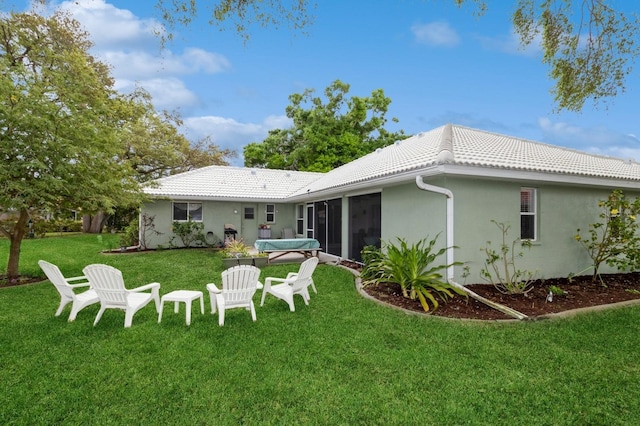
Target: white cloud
166	93
596	140
139	64
437	33
131	47
229	133
111	27
511	44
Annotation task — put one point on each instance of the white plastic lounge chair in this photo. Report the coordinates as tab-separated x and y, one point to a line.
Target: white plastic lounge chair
295	283
239	284
107	281
287	233
66	289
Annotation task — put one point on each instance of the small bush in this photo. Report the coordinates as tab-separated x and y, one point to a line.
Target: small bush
189	232
500	265
131	233
412	267
616	240
235	248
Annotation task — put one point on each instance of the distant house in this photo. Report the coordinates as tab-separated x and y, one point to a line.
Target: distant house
449	182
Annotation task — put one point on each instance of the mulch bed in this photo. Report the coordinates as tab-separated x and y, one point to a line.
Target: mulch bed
580	292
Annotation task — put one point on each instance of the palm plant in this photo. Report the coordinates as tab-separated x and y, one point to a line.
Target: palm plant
412	267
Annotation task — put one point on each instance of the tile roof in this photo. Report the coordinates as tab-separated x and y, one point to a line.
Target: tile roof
462	146
237	183
450	146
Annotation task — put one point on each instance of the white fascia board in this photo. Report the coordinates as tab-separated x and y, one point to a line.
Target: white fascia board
187	197
538	176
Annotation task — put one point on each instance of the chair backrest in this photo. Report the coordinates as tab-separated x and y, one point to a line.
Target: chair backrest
287	233
107	281
305	272
57	279
239	283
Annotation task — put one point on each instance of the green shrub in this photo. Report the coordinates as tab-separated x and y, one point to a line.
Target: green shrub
41	227
235	248
500	265
130	236
371	255
189	232
614	241
411	266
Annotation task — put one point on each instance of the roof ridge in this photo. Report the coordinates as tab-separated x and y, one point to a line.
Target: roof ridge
445	155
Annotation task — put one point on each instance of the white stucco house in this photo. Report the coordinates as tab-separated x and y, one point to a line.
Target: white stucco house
451	181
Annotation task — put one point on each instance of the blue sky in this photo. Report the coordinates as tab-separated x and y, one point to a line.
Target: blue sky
437	63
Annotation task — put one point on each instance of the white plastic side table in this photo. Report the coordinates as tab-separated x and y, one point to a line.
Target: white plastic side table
185	296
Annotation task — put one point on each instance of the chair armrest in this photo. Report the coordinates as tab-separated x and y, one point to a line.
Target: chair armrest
77	285
212	288
151	286
292	275
259	286
86	282
278	280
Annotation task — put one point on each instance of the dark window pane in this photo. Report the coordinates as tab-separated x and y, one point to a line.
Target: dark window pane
179	211
195	212
527	227
248	213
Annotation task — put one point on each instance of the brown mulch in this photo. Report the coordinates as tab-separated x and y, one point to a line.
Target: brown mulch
21	280
580	292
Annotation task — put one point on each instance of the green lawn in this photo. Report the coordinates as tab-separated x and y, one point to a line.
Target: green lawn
343	360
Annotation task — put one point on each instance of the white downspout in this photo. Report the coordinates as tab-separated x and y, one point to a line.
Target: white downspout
449	219
450	270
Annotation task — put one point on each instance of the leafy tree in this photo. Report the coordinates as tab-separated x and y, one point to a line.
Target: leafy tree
325	135
58	126
589	46
153	147
616	240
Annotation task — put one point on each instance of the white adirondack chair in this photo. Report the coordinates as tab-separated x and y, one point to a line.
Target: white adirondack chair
295	283
107	281
239	284
66	289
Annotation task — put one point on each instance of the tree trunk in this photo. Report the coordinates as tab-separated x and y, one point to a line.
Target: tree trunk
86	223
16	237
93	224
97	222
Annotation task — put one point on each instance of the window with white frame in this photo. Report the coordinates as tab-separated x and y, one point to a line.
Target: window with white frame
185	211
271	213
528	214
300	219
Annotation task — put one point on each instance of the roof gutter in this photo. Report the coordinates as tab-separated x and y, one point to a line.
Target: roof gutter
449	225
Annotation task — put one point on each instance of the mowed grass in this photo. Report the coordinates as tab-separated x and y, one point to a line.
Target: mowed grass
343	360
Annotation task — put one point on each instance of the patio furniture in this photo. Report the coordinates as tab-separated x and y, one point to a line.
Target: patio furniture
308	247
239	284
294	283
230	232
107	281
185	296
66	289
288	234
